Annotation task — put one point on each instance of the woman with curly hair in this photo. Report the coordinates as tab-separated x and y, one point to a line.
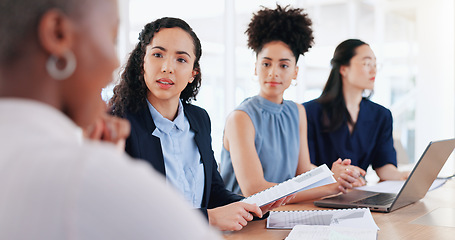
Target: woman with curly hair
265	138
160	79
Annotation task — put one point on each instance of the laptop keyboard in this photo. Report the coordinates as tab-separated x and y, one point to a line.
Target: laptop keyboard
378	199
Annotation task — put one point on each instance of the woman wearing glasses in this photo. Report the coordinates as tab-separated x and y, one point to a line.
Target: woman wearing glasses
342	123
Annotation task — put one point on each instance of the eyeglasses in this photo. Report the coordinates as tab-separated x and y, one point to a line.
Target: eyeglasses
370	64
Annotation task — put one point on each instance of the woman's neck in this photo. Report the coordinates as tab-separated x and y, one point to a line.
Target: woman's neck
167	108
278	99
15	83
352	99
352	96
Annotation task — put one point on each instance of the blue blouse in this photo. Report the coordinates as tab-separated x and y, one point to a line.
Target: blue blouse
184	169
370	142
277	140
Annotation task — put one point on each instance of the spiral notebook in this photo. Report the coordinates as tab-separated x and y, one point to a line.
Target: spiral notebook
314	178
355	217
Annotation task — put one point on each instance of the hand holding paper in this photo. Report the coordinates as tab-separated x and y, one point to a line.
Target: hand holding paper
314	178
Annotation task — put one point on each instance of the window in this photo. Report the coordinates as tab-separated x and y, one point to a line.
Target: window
396	31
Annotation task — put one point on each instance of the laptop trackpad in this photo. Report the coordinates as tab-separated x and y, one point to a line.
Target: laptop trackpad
349	197
378	199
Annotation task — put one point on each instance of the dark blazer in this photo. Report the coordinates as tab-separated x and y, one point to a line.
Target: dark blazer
142	144
370	143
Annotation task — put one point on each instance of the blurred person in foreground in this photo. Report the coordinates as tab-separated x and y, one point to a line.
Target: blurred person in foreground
55	57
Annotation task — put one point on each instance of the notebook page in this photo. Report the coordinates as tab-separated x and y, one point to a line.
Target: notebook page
359	217
395	186
329	232
321	175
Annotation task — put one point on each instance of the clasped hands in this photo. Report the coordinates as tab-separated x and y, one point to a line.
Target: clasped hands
347	175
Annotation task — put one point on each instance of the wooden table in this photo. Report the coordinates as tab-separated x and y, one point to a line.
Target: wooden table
394	225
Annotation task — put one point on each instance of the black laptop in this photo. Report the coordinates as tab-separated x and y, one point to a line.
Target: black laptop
416	186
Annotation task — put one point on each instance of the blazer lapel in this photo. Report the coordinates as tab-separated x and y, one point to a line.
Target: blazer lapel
153	143
194	126
204	150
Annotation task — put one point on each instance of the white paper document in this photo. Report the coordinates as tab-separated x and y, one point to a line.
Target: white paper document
314	178
361	218
395	186
300	232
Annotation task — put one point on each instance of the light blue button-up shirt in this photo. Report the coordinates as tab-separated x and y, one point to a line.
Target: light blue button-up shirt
182	161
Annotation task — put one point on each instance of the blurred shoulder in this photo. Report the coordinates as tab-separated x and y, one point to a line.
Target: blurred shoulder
312	105
313	110
197	116
301	109
375	107
195	110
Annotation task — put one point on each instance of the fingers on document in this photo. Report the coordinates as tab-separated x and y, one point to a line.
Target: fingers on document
253	208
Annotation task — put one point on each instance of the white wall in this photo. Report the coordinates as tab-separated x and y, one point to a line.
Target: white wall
413	39
435	118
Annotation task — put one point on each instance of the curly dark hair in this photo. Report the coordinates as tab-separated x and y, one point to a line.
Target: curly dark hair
289	25
131	92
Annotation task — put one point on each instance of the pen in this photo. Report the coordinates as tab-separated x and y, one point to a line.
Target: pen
364	179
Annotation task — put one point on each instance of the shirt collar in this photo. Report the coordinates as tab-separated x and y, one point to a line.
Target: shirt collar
165	125
269	106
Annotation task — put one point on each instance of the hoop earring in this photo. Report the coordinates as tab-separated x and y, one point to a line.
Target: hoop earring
61	74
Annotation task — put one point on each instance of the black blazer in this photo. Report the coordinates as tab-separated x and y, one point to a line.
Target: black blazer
142	144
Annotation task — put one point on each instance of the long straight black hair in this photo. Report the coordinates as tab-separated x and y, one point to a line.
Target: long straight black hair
334	110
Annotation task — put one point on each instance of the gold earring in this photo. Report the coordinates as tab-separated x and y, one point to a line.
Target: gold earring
191	79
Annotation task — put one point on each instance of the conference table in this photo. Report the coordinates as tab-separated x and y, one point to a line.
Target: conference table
433	217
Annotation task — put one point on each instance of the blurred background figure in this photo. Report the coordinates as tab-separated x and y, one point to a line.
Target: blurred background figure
344	124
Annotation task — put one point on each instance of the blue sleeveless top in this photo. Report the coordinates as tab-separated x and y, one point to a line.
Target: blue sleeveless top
277	140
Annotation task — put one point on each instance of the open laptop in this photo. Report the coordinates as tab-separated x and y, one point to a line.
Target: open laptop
416	186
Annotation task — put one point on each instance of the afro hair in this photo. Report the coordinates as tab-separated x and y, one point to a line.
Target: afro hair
289	25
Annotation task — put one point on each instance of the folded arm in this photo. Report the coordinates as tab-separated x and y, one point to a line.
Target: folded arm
390	172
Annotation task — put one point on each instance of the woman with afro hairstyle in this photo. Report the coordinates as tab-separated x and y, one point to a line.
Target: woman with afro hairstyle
265	138
343	123
160	79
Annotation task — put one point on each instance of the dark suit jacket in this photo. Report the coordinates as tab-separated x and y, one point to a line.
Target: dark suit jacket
142	144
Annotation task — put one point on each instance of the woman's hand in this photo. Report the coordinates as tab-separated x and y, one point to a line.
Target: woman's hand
234	216
347	175
109	129
277	203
